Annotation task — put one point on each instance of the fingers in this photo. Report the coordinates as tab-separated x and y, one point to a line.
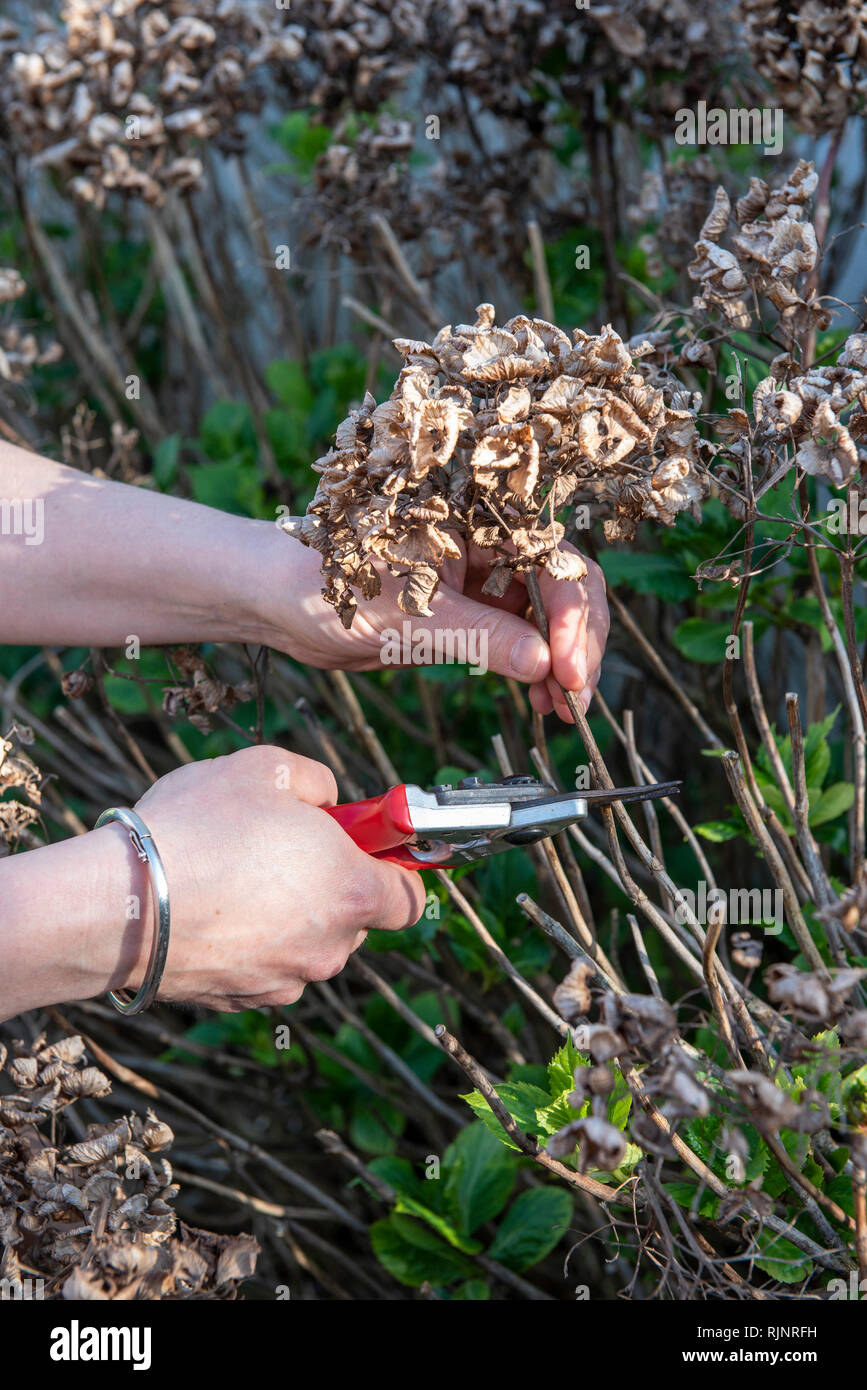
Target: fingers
391	897
504	642
308	780
578	621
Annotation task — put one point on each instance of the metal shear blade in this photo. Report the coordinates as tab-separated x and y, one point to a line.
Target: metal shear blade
515	811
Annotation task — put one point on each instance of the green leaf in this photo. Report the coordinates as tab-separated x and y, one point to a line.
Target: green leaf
412	1253
399	1174
522	1102
532	1226
561	1068
288	382
718	830
474	1290
443	1227
165	461
684	1194
700	640
817	754
231	486
480	1175
661	574
839	1189
534	1072
376	1125
619	1104
832	803
781	1259
226	429
125	696
303	139
552	1117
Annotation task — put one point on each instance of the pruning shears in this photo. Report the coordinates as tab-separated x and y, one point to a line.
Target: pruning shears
451	825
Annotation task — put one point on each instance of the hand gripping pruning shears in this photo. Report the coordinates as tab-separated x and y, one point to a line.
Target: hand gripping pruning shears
451	825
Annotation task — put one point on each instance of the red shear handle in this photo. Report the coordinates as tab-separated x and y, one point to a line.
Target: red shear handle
379	825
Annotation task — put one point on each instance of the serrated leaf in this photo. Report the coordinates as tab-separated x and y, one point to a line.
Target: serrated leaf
417	1197
522	1102
684	1194
619	1104
561	1068
552	1117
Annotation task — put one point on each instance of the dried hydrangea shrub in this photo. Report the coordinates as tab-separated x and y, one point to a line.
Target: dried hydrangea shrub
204	694
353	179
94	1218
675	199
814	53
641	1032
18	774
362	52
819	412
500	51
182	70
772	252
488	434
474	196
20	350
493	48
684	54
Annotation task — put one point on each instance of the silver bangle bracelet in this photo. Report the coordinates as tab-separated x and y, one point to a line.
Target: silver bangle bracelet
142	842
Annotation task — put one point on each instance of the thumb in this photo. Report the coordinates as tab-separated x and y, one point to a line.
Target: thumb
493	638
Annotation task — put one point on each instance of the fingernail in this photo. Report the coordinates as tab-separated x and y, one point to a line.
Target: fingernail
529	658
584	699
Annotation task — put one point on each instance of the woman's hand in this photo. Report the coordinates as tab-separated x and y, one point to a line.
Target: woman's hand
267	893
115	562
299	621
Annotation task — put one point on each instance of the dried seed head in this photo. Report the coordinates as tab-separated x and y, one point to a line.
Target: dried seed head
602	1145
572	998
486	427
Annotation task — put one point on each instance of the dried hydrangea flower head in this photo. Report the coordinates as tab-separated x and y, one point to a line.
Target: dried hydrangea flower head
772	252
488	434
116	93
94	1218
821	411
20	351
20	775
364	50
675	201
356	177
814	52
685	52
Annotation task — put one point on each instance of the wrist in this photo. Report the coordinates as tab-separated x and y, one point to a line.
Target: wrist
279	597
76	921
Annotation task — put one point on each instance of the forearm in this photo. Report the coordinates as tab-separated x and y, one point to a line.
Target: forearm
89	562
75	920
